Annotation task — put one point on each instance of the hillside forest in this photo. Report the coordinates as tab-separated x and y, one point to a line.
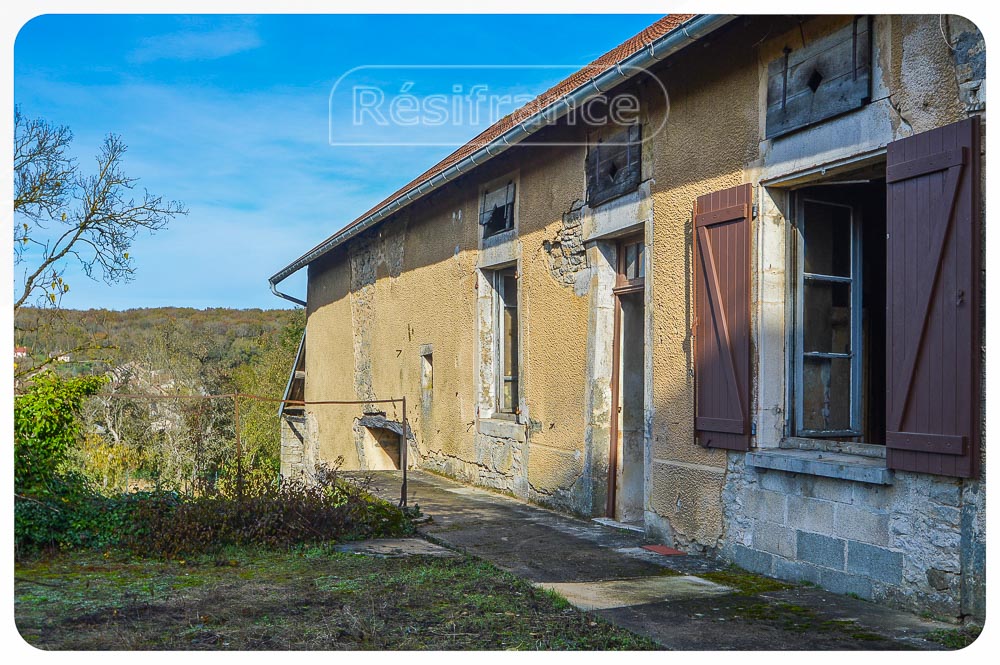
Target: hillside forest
187	445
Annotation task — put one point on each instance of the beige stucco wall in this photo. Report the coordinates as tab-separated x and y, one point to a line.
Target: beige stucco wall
370	312
414	282
553	325
330	373
365	334
704	147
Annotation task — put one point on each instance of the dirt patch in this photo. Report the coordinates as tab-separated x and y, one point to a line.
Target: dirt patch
310	599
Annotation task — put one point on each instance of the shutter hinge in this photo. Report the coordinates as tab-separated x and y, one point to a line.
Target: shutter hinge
754	211
753	429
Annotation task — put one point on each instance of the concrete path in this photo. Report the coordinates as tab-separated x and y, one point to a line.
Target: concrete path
681	602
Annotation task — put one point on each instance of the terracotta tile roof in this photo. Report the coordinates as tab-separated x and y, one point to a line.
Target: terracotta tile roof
559	90
628	48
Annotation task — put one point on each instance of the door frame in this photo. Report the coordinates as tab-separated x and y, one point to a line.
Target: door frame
623	287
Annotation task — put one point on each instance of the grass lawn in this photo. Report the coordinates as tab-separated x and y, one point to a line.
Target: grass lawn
312	598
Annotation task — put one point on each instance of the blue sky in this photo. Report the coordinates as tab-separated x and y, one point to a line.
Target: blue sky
230	114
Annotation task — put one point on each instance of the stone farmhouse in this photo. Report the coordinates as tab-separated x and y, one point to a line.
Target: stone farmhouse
747	320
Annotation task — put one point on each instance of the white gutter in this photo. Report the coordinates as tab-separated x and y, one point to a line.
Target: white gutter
690	31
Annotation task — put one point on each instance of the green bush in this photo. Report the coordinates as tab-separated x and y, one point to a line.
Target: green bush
46	426
68	516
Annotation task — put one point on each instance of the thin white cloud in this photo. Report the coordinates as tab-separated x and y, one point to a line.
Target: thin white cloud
255	169
196	45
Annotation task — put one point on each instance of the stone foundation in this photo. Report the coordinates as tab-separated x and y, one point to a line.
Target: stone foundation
295	449
912	543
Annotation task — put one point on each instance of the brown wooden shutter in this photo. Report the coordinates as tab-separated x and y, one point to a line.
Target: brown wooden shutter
933	397
722	318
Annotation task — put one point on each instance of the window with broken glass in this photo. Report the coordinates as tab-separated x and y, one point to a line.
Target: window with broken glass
839	333
496	213
828	318
506	329
614	165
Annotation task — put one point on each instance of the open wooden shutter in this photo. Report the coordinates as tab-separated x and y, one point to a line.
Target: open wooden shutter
722	318
933	399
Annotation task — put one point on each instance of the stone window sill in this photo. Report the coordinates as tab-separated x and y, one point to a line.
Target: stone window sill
831	446
844	466
502	428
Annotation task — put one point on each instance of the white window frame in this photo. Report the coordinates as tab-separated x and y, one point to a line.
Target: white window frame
856	353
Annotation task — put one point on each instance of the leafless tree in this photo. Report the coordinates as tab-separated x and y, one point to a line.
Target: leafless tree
63	215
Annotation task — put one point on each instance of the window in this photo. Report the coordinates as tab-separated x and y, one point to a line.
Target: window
506	328
631	263
426	372
614	165
496	213
839	317
905	237
828	311
822	78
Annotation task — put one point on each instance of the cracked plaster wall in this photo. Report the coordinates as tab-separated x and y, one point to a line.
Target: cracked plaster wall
376	303
928	71
373	307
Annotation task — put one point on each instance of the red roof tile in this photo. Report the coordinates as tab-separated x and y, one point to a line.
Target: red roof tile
559	90
628	48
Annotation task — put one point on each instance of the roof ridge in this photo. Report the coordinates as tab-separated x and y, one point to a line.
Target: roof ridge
646	38
553	94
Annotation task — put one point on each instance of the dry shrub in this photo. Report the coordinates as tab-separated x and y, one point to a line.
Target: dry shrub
168	524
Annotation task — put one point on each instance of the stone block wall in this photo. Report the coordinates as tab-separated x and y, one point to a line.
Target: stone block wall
914	544
294	434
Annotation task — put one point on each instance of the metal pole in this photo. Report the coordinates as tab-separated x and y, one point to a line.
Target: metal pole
402	457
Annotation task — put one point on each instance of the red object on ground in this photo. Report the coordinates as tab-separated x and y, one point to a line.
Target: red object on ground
664	550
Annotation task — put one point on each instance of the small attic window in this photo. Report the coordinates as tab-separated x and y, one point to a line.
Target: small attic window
614	165
821	79
496	213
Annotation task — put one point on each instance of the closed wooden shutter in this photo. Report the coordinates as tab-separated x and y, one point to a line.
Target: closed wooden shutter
722	318
614	166
933	400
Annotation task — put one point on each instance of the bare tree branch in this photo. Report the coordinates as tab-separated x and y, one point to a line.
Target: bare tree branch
63	215
43	173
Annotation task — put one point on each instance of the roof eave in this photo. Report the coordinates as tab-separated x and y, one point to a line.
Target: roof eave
684	34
